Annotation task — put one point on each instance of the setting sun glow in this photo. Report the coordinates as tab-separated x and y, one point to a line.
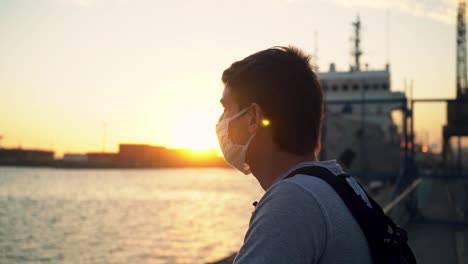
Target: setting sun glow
195	131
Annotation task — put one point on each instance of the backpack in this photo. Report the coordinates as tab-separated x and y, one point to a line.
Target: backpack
387	241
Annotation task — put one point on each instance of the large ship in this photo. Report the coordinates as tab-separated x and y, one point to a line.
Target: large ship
358	126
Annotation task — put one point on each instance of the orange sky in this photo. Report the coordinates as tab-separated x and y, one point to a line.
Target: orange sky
149	71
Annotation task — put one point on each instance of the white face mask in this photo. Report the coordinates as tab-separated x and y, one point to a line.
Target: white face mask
234	154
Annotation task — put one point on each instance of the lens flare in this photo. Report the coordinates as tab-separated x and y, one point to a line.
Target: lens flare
265	122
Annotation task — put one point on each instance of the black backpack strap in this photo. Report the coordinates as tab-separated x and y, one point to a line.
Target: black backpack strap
373	222
355	204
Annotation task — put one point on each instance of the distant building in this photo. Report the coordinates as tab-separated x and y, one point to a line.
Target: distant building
136	155
75	158
129	156
18	156
142	155
101	158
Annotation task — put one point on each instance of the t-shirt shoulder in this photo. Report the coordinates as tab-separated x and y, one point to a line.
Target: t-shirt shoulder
288	226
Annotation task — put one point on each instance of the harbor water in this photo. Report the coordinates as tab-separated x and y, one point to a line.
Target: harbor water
123	216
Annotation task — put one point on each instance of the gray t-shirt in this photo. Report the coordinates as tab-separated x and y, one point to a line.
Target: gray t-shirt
303	220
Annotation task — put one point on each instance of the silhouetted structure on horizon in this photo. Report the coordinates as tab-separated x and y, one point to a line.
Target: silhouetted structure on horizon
141	155
128	156
28	157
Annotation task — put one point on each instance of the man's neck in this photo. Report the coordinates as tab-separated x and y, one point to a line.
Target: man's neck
268	170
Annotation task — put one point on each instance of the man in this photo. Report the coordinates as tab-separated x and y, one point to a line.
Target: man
273	108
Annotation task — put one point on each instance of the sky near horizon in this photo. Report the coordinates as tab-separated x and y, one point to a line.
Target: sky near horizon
149	71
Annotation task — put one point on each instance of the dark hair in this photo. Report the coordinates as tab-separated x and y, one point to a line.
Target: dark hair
282	82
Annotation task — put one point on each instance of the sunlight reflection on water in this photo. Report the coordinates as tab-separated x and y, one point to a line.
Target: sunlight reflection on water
123	216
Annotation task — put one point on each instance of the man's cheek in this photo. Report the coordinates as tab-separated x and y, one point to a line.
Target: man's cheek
238	132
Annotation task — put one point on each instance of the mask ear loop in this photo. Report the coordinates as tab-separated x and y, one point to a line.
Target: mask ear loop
227	120
246	170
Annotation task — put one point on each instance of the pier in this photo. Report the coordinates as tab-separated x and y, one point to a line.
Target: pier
438	233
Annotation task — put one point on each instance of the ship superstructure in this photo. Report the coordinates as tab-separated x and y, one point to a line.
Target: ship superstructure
357	127
358	84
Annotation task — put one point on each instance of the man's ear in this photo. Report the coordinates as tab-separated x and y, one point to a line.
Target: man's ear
255	118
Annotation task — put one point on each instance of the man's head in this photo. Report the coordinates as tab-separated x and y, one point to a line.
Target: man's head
284	98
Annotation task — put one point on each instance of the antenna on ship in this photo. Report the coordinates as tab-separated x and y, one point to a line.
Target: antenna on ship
387	36
315	54
357	52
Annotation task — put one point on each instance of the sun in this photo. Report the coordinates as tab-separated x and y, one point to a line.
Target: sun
196	131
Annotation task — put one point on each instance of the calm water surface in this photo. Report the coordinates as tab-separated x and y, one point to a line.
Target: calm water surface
123	216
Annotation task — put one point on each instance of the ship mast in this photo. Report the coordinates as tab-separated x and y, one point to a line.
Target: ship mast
357	52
